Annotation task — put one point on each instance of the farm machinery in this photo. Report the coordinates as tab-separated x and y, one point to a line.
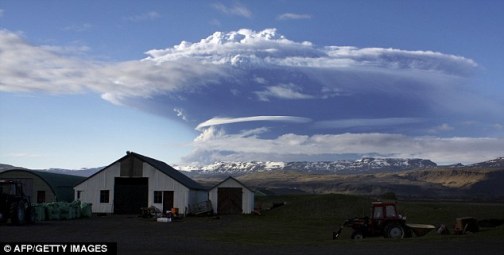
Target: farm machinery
384	221
14	204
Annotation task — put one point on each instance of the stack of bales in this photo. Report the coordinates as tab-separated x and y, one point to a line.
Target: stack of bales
62	211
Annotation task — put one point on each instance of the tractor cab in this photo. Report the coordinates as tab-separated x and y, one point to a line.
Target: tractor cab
384	210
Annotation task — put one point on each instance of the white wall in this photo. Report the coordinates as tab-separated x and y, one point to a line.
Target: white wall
90	188
247	195
158	181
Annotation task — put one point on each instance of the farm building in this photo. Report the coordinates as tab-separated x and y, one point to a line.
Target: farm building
136	181
231	197
43	186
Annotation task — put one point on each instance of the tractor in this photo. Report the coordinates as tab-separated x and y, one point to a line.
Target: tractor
384	221
14	204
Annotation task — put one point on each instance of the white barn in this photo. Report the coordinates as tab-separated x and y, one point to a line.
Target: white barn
231	197
135	181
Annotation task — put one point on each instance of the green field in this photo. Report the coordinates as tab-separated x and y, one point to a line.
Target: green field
311	219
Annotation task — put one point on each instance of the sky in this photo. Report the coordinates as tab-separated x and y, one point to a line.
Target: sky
194	82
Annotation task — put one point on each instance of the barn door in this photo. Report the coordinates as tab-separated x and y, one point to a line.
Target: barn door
130	194
229	200
167	200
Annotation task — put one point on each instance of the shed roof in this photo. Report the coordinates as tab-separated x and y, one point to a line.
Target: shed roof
60	184
232	178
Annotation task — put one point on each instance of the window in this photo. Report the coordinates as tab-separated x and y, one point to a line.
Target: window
41	196
158	197
390	211
378	213
78	194
104	196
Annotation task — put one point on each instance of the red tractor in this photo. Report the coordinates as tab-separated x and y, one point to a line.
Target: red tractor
384	221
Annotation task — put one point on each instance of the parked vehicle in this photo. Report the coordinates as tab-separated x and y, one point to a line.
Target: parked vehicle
14	204
384	221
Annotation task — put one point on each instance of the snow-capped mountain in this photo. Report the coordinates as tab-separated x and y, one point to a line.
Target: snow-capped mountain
494	163
342	166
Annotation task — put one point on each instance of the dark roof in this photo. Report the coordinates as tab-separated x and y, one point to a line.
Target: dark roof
161	166
60	184
170	171
230	177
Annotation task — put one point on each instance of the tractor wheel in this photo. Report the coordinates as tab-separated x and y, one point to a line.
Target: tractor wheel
30	215
357	235
18	213
394	231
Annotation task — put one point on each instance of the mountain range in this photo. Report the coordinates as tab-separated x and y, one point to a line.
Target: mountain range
364	165
407	178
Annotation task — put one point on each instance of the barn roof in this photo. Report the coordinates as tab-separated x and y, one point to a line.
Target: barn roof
161	166
60	184
170	171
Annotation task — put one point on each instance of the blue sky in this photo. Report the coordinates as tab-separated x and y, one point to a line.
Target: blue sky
193	82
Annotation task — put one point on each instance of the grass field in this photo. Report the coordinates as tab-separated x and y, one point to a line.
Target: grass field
311	219
303	226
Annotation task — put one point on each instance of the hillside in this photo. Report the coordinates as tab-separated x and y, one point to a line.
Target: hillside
435	183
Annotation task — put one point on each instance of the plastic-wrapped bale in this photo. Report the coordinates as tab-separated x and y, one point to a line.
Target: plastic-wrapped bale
75	206
65	212
53	211
86	211
39	210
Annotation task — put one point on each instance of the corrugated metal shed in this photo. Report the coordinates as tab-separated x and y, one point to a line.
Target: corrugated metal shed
60	185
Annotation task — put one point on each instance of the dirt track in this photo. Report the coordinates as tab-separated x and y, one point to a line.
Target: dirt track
140	236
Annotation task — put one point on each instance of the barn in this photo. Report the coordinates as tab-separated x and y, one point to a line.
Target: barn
231	197
43	186
136	181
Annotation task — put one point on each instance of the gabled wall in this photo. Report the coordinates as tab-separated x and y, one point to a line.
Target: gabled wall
90	188
157	181
247	195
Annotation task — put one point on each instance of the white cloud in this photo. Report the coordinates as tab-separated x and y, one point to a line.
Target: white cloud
28	68
78	28
180	113
293	16
498	126
349	123
282	91
25	67
221	121
236	9
23	155
442	128
229	56
231	147
147	16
